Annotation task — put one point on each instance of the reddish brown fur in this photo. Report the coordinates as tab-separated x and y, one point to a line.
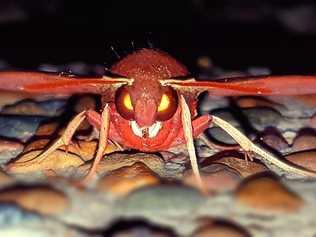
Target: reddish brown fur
147	67
149	64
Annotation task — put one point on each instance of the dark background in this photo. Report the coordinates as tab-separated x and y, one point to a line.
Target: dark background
277	34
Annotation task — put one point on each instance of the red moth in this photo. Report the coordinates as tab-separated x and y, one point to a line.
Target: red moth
151	105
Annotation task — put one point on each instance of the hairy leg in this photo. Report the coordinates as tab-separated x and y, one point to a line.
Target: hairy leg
249	147
103	140
94	118
65	139
188	136
100	122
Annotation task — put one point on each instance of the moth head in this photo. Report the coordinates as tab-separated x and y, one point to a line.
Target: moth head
145	108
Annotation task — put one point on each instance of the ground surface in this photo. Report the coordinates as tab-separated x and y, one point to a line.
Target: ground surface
139	194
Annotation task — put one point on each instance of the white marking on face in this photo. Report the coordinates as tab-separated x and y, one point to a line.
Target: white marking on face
152	130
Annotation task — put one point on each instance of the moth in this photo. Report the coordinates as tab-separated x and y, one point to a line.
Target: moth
150	104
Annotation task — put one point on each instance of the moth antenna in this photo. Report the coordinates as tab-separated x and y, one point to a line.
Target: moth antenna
106	69
150	44
115	52
133	45
149	41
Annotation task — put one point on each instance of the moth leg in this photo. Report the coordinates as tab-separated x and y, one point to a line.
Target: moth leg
94	134
94	118
218	147
103	140
202	123
247	154
98	122
65	139
248	146
188	136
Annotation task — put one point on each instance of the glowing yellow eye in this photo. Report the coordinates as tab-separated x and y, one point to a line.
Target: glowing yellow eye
128	102
164	103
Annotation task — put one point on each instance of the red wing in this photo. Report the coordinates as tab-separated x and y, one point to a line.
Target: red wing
51	84
253	85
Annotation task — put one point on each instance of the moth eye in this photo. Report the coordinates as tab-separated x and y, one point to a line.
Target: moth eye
168	104
128	102
123	103
164	103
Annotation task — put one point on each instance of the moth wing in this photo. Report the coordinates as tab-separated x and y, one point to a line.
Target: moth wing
253	85
39	83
